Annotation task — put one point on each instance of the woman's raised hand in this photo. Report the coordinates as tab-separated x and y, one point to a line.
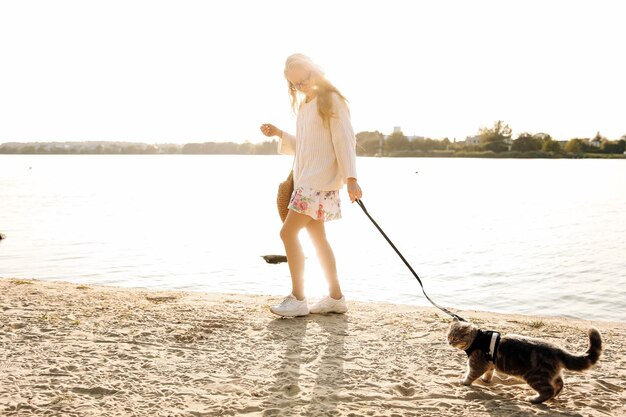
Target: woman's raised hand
270	130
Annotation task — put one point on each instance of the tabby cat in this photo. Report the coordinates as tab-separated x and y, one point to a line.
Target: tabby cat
537	362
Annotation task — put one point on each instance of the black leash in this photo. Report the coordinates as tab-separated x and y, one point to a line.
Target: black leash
445	310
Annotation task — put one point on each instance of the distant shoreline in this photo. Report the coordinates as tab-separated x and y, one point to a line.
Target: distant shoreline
483	155
392	147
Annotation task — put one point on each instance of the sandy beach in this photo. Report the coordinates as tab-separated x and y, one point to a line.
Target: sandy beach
86	350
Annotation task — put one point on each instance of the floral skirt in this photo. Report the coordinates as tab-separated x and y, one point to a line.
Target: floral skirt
320	205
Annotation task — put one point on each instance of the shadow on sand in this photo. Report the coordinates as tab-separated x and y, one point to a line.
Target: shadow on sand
298	386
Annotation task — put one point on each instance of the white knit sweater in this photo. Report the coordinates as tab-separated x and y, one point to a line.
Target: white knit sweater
324	158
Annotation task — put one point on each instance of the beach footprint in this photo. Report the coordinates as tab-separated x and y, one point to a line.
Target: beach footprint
290	390
405	389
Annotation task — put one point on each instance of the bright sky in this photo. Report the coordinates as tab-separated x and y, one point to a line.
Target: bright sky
195	71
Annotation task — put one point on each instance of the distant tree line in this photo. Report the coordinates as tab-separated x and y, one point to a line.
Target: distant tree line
231	148
122	148
86	148
495	141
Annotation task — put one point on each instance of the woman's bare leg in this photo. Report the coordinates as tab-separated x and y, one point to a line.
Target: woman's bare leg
295	256
326	256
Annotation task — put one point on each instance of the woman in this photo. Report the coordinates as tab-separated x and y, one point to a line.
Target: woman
325	160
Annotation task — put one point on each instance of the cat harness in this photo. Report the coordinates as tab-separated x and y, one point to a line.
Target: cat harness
487	341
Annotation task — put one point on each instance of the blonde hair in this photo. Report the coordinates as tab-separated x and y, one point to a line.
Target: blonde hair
325	88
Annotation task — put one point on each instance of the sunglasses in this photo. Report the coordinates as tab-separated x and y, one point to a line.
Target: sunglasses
304	82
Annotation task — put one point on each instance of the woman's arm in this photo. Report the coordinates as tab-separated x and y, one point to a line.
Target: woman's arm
344	142
343	139
287	144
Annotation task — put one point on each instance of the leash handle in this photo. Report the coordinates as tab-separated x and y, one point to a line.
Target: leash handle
445	310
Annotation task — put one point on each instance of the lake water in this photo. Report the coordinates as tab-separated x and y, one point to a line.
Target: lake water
544	237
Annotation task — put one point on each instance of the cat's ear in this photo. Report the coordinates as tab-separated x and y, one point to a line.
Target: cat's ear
455	320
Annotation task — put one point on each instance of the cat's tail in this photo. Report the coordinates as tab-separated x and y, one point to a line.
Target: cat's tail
591	356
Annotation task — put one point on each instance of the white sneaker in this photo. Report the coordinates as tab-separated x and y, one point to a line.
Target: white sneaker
330	305
291	307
